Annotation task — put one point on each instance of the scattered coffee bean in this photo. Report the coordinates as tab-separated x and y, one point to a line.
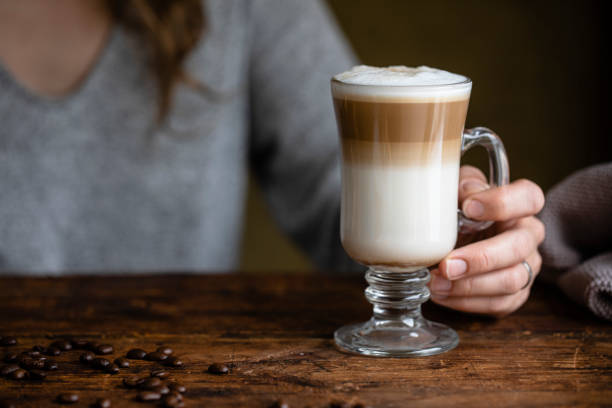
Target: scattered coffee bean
63	345
132	382
37	375
8	369
174	386
8	341
68	398
165	349
104	349
173	362
79	344
31	353
31	363
218	368
50	365
162	389
173	400
160	373
92	346
122	362
150	383
103	403
136	354
11	357
100	363
87	357
156	356
113	369
52	351
39	348
7	404
149	396
280	404
176	395
19	374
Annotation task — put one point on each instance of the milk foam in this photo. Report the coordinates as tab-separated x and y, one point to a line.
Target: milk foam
401	218
401	83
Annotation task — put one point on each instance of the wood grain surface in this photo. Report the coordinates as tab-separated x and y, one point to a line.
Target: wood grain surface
275	333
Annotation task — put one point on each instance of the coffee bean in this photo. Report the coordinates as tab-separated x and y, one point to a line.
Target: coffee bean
39	348
156	356
8	341
173	401
122	362
79	344
7	404
104	349
280	404
87	357
150	383
100	363
132	382
162	389
218	368
52	351
173	362
136	354
11	357
160	373
31	353
165	350
19	374
339	404
103	403
68	398
113	369
174	386
8	369
149	396
176	395
63	345
50	365
31	363
92	346
37	375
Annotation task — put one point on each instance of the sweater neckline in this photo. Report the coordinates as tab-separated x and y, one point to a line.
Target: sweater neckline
82	88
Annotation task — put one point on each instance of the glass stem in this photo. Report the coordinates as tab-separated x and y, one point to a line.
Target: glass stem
397	296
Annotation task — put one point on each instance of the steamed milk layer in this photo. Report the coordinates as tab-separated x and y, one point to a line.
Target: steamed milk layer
401	138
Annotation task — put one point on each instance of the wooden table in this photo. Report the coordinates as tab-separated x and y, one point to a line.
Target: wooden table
275	332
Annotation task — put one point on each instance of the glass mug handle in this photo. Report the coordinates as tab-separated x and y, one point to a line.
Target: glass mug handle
499	171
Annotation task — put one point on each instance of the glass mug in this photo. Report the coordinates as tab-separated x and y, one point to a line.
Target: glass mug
401	151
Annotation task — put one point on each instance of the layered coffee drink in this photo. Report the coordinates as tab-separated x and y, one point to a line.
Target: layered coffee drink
401	130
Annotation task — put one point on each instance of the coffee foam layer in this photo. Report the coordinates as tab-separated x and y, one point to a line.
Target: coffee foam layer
401	84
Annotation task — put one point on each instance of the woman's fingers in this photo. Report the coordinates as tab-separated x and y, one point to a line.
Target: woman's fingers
506	281
521	198
501	251
491	305
471	180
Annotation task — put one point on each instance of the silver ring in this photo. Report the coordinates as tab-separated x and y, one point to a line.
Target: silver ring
529	271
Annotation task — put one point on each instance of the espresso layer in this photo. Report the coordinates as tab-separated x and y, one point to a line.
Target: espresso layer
402	153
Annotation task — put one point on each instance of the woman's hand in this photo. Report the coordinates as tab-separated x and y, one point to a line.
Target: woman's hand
487	275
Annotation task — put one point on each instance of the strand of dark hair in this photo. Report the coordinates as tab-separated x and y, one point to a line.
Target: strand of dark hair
169	29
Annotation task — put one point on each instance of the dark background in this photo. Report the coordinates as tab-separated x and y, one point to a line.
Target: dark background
538	70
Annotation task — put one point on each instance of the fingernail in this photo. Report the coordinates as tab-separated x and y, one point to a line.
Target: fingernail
473	208
473	186
439	284
455	268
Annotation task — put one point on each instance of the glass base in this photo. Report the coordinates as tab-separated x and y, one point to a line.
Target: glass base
397	328
372	338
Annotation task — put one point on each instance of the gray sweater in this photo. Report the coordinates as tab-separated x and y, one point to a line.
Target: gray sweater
90	183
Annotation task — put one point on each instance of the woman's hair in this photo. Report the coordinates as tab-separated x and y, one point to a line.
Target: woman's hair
169	29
